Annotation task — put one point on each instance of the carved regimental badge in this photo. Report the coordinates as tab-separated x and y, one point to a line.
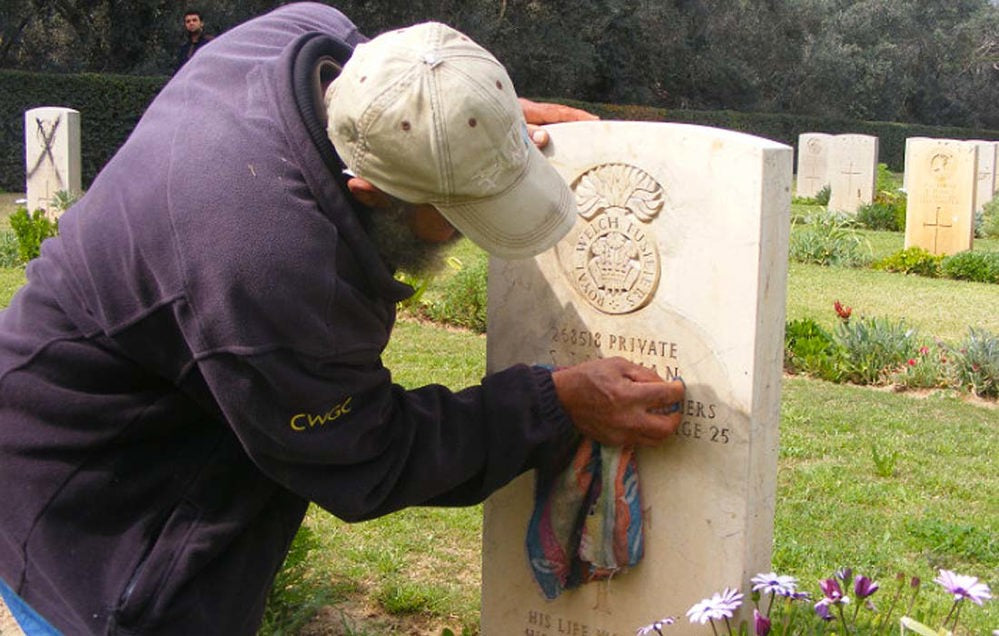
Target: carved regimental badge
612	258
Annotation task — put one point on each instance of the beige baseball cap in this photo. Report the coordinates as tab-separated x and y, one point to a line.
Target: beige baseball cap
429	116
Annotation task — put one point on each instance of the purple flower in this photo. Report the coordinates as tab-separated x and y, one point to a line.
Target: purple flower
717	607
656	627
832	591
864	587
964	587
844	574
761	622
822	609
771	583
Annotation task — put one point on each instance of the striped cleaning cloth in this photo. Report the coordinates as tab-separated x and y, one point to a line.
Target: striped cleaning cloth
587	519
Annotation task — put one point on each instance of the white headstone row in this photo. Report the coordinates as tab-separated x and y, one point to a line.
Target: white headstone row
848	164
52	155
670	271
946	182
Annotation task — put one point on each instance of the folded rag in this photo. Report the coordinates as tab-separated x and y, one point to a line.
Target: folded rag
587	520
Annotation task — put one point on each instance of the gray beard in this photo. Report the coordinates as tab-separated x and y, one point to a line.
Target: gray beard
400	248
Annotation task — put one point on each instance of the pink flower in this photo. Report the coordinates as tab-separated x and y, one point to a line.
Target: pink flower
912	362
761	623
864	587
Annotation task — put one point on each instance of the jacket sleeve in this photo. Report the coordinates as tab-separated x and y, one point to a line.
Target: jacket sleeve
344	436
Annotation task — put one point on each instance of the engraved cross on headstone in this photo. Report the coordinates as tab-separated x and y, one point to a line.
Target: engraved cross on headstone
812	180
936	225
850	173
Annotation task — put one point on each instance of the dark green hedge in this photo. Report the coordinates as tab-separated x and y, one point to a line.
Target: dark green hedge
109	105
786	128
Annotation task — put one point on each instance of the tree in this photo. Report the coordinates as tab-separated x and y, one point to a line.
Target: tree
927	61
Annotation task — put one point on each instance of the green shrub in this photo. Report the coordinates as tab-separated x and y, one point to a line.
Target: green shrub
912	260
887	211
808	348
874	348
31	231
976	363
821	198
9	249
990	219
62	200
878	216
981	267
828	239
463	302
297	594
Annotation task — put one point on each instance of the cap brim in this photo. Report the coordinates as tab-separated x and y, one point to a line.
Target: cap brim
524	220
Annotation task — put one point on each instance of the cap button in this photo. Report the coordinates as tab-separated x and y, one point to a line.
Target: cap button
431	59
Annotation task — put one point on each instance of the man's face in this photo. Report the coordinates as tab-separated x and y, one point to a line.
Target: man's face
192	23
412	237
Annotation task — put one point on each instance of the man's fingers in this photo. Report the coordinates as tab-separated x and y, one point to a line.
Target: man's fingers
658	395
547	113
538	135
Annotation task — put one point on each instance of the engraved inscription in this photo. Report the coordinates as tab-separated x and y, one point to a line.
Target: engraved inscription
614	263
701	420
546	624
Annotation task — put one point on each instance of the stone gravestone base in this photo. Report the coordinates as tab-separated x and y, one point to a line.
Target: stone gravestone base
678	261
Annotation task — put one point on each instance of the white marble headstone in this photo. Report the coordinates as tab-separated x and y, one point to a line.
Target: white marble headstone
813	163
941	200
678	261
52	155
853	172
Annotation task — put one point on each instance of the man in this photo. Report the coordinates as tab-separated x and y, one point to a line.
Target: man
195	37
197	356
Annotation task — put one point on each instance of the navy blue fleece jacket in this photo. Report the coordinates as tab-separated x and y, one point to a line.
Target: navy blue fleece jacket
198	355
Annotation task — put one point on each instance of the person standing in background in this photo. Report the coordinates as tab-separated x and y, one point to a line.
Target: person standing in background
194	29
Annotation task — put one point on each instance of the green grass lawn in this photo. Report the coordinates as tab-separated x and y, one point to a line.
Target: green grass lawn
930	499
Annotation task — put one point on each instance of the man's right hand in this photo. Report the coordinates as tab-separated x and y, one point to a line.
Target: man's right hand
619	403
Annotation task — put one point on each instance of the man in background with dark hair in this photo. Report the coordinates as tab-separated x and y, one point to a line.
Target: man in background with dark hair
194	29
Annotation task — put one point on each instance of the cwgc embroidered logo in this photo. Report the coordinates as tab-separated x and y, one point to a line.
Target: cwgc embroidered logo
614	262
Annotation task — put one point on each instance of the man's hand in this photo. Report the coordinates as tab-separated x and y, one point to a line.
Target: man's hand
619	403
538	113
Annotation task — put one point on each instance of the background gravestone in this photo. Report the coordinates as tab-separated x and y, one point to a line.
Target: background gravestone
671	270
941	199
853	172
985	173
813	163
52	155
